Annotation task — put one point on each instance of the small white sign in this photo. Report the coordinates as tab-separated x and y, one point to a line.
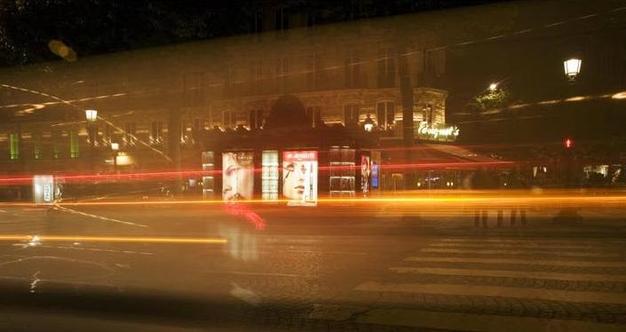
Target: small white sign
43	189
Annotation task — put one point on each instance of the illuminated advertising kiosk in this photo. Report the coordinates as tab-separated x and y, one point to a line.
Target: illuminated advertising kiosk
300	177
269	175
237	176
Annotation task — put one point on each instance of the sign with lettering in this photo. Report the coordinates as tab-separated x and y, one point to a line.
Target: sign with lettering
300	177
43	189
438	133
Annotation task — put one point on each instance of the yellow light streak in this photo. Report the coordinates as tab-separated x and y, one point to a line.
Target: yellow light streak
432	197
117	239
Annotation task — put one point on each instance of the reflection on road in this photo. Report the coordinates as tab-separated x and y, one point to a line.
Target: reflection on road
242	244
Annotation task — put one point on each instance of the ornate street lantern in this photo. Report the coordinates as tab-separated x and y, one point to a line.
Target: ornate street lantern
91	115
368	125
572	68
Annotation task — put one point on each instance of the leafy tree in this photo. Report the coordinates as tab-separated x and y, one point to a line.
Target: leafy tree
488	100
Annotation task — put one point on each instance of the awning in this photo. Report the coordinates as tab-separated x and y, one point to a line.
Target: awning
438	157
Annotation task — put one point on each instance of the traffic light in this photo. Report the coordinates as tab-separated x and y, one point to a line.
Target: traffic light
568	143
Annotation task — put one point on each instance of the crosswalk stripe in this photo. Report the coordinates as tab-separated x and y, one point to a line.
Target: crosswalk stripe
512	245
528	261
532	241
474	322
517	252
495	291
512	274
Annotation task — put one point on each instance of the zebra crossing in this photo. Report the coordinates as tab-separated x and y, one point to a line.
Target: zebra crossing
573	283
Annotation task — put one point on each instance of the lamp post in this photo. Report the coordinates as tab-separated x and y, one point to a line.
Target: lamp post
572	68
115	148
92	116
493	87
368	125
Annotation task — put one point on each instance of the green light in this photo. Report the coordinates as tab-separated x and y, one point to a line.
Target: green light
74	146
14	146
36	147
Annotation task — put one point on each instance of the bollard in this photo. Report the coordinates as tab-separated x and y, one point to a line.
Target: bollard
500	217
513	216
484	217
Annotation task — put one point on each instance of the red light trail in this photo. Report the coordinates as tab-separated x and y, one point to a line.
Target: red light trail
165	175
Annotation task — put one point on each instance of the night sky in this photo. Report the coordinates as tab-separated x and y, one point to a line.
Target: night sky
102	26
528	66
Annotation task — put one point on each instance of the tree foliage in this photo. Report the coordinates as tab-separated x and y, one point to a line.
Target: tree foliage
489	100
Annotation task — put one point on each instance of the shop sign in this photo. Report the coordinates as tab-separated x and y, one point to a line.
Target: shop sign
439	133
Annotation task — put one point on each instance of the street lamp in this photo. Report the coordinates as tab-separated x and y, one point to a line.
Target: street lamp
91	115
493	87
572	68
368	125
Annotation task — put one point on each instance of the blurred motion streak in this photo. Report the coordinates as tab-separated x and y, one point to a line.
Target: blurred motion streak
118	239
245	212
79	178
422	199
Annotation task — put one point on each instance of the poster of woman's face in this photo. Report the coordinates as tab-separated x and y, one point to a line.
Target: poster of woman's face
300	176
237	175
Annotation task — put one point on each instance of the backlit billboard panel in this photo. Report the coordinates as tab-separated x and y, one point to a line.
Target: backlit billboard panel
300	177
237	176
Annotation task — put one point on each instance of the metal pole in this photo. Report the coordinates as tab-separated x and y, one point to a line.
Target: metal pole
115	162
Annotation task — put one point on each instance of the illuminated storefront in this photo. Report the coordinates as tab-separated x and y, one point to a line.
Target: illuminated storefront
300	177
237	176
269	175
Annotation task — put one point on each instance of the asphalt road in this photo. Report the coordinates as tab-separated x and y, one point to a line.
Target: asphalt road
331	267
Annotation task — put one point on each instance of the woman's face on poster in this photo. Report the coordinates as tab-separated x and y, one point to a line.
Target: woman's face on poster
294	179
237	176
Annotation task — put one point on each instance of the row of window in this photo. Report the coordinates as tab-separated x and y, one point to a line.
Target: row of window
354	76
384	117
352	114
14	146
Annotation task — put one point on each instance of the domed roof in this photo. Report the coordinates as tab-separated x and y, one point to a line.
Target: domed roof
287	111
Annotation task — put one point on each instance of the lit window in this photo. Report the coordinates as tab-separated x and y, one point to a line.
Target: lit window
385	113
229	119
74	145
314	115
129	133
351	114
156	135
14	146
37	146
256	119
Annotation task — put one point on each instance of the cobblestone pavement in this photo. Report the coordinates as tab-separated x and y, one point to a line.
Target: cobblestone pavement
331	270
543	278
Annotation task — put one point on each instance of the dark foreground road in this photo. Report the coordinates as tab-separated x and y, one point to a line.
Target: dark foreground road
327	268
